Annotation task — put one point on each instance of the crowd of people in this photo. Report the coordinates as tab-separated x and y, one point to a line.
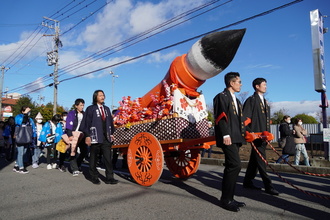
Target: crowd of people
90	134
86	136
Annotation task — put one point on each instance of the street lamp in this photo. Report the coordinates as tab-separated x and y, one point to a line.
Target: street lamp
113	85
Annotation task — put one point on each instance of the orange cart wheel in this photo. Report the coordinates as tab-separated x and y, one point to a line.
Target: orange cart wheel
182	164
145	159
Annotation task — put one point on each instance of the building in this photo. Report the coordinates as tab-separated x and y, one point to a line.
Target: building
7	105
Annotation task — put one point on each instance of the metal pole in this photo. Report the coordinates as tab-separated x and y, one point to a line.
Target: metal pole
56	47
113	89
1	87
56	39
324	106
55	84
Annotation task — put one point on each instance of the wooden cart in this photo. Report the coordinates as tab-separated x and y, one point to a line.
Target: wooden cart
147	149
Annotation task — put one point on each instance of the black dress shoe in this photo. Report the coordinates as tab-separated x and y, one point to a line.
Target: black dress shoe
239	204
231	206
273	192
96	181
111	181
251	186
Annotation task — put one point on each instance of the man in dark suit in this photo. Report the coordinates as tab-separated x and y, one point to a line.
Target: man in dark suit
229	133
97	125
256	109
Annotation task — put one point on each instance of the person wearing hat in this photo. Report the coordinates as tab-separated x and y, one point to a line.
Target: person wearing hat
37	146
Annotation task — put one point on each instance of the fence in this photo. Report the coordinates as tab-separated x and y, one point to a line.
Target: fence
314	137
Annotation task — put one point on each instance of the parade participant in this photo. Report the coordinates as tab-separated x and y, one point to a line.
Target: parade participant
9	136
64	116
98	128
75	136
115	151
2	139
38	146
21	120
229	134
286	135
211	133
62	156
257	110
300	140
51	134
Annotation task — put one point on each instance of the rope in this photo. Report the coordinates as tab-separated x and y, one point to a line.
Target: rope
285	180
290	164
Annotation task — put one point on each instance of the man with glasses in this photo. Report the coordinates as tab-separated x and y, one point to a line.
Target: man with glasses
229	133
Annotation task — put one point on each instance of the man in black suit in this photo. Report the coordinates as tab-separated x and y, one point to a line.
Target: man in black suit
257	111
97	125
229	133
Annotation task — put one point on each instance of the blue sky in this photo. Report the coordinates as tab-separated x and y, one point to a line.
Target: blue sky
276	46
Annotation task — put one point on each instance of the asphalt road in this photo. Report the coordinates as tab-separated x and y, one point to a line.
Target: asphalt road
51	194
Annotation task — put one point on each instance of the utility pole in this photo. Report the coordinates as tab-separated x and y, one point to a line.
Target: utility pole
41	98
1	87
113	89
52	56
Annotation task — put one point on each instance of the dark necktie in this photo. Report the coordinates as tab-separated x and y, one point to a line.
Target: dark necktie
102	113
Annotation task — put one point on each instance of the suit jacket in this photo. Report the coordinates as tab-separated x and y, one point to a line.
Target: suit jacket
227	120
92	124
258	115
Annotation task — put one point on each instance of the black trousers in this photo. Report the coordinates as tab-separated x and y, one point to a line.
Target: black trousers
76	161
257	164
53	159
231	172
95	149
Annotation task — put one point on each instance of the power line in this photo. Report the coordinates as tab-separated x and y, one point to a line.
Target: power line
187	40
119	45
32	39
184	41
79	10
16	25
62	8
84	19
69	9
20	46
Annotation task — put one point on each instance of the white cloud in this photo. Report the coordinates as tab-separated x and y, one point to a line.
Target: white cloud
123	19
68	58
298	107
159	57
262	66
38	83
110	27
22	49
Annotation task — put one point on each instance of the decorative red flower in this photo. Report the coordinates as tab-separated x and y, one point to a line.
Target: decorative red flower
184	103
199	105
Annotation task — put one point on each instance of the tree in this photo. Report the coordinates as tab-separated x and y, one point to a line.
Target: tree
307	119
25	101
242	96
278	116
210	115
47	111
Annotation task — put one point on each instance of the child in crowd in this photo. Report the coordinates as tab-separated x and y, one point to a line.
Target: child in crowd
51	134
38	146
